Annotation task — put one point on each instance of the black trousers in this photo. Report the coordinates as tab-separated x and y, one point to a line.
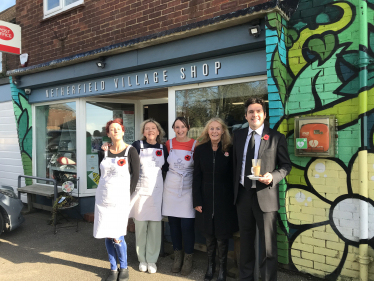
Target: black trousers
250	214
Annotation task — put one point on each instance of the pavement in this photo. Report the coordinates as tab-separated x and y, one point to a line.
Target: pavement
34	252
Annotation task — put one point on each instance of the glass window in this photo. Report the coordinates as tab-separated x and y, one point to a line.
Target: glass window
97	115
225	101
68	2
53	7
56	142
52	4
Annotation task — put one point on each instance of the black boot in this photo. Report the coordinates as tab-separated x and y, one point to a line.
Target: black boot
223	248
211	244
123	274
113	276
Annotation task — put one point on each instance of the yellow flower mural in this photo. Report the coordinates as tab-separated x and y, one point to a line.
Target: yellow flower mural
325	218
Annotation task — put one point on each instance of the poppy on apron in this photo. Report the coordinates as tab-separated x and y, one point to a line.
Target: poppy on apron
177	198
112	201
146	201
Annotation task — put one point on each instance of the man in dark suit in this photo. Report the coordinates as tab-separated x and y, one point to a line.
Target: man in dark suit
257	202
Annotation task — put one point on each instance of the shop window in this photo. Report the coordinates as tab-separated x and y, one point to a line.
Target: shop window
56	142
52	7
199	105
97	115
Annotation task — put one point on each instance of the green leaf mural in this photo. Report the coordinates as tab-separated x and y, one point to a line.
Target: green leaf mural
281	76
25	106
322	46
27	167
27	142
23	126
307	90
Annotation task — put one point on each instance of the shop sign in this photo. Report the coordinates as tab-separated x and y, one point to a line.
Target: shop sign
10	38
128	81
194	72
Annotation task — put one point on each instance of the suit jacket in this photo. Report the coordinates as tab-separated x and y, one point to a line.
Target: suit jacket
274	159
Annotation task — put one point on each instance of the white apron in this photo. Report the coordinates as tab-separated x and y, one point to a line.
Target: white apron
146	200
177	200
112	201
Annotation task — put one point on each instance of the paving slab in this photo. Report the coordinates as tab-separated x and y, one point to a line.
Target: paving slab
33	252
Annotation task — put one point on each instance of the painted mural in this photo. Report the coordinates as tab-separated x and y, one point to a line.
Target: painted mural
314	68
23	114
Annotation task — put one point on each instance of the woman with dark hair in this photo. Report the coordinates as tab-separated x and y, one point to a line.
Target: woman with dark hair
119	173
177	199
213	194
147	198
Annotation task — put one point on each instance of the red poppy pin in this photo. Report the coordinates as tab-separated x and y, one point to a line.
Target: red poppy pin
226	154
266	137
187	157
121	162
159	153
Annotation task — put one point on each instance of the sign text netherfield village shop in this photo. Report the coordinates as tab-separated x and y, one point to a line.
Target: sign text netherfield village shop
128	81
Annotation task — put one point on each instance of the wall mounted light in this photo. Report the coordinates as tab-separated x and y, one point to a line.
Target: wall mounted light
16	81
255	30
101	62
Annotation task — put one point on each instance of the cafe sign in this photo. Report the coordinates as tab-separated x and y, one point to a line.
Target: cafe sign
10	38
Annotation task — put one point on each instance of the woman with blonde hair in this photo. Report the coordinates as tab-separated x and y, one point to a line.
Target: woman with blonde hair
213	193
146	201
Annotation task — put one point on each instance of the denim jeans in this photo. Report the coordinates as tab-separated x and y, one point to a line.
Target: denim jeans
116	250
182	229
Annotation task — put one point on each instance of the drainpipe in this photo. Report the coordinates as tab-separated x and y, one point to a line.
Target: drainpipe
363	257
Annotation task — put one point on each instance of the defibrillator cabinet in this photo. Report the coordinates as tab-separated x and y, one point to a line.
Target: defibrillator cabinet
315	136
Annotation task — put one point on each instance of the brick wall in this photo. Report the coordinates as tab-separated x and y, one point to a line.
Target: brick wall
104	22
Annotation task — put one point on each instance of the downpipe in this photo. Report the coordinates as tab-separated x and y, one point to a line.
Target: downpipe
363	63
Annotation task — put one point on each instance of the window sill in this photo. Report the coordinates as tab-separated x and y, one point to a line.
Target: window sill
62	12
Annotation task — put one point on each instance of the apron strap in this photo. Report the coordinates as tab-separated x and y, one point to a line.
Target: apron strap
106	153
161	146
171	144
193	146
127	150
141	144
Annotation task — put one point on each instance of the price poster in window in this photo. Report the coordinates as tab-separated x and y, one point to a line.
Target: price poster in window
129	122
93	177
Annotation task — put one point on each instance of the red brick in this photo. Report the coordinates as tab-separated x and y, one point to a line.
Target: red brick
104	22
229	5
89	217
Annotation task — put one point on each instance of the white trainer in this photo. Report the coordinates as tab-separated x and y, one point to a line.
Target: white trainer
152	268
143	266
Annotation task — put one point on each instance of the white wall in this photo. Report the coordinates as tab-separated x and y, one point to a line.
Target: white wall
10	155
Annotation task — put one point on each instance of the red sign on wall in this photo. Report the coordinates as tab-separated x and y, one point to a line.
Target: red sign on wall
10	38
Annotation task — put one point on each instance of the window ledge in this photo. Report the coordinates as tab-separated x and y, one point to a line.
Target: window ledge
62	12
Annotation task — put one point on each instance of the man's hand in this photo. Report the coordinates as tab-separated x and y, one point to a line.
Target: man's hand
106	146
266	179
199	209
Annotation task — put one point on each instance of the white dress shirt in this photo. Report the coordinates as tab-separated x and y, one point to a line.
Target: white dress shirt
257	146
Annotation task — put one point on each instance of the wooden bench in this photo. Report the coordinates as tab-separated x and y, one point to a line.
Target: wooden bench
50	192
38	189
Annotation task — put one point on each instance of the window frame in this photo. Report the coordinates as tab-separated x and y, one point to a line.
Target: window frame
60	8
172	98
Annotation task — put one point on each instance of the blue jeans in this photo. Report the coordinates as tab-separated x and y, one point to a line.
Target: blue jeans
182	229
116	250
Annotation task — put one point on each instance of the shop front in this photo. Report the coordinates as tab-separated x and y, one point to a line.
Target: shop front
70	112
